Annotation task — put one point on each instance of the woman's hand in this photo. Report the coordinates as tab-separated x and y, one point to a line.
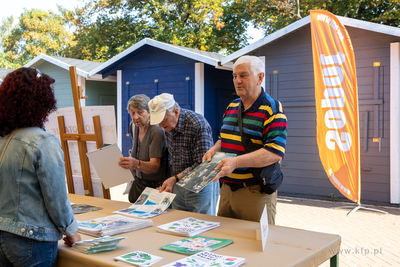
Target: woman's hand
70	240
128	163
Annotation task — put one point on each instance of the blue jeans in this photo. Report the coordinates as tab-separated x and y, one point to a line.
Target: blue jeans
203	202
16	250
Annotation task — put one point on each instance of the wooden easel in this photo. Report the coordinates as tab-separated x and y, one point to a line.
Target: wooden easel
81	138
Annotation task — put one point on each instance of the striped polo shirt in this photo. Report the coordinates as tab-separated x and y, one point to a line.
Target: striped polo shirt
264	122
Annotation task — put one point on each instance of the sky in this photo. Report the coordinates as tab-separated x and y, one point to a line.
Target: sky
16	7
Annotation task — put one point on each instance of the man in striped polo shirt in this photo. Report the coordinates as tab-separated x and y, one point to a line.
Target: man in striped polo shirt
264	122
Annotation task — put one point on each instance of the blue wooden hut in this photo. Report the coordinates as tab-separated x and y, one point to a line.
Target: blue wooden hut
150	67
99	91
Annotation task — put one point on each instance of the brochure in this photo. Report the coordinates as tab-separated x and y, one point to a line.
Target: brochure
203	174
83	208
187	227
95	245
112	225
197	244
205	259
149	204
139	258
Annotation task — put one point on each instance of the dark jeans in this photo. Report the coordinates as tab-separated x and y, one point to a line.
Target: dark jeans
20	251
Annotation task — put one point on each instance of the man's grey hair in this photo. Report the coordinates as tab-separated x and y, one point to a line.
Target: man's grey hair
139	101
171	109
256	64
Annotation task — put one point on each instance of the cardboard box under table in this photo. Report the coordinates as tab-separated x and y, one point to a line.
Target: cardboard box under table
284	247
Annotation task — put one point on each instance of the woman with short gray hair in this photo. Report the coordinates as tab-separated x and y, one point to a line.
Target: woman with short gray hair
149	157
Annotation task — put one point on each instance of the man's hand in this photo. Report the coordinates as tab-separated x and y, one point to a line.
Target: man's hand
70	240
227	166
208	155
168	185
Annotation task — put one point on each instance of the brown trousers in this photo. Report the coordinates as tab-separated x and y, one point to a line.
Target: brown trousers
247	203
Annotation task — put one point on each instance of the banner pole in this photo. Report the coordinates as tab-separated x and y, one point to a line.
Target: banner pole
359	206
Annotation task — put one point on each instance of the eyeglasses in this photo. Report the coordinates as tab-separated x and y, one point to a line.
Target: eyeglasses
38	73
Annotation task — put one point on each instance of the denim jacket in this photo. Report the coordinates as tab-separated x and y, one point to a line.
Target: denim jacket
33	193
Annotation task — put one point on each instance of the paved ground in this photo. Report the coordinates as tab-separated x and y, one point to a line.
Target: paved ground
368	238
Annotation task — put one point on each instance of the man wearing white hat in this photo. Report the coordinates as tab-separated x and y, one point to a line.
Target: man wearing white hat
189	137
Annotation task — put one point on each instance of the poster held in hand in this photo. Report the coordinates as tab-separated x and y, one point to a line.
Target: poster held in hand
203	174
105	161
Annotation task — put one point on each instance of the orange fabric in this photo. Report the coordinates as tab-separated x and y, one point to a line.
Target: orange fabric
336	97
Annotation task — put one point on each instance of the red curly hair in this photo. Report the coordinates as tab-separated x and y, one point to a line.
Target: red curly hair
26	100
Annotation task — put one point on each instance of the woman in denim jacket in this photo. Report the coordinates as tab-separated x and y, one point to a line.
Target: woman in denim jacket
35	211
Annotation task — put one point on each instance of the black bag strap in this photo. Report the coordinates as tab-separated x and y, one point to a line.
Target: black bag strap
248	145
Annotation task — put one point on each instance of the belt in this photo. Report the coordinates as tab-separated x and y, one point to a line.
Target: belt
236	186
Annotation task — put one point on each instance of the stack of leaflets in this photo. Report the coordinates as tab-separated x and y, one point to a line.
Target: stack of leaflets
203	174
139	258
112	225
197	244
83	208
187	227
95	245
207	258
149	204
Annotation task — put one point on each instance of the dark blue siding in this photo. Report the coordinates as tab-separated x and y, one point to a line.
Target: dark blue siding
218	93
174	75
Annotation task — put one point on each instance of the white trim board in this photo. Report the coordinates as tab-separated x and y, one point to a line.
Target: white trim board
199	88
394	123
56	62
160	45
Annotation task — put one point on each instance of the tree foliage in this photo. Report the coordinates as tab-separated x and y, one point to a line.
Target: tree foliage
273	15
37	32
197	24
101	29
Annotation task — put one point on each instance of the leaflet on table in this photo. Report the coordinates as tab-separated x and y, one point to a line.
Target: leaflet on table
203	174
149	204
139	258
207	258
96	245
187	227
83	208
105	161
112	225
197	243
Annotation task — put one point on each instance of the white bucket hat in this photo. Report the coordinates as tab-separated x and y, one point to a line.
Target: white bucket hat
158	105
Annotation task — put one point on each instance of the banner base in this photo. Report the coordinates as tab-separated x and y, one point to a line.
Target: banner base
359	206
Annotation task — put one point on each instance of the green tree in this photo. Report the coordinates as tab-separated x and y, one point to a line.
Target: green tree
106	27
6	58
276	14
37	32
102	35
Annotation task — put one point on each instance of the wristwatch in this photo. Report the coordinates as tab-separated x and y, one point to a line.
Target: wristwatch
138	166
176	178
